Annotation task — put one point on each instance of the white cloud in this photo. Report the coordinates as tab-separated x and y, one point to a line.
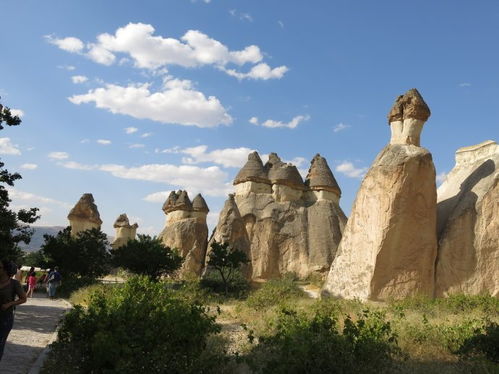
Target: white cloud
77	165
104	141
17	112
340	126
175	149
132	146
79	79
154	52
131	130
176	103
441	177
7	148
17	196
29	166
146	135
70	44
67	67
464	84
350	170
260	71
280	23
274	124
59	155
227	157
84	141
240	15
157	197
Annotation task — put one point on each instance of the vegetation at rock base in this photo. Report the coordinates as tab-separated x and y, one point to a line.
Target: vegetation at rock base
14	226
147	256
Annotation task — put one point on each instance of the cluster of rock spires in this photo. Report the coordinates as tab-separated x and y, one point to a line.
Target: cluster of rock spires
403	237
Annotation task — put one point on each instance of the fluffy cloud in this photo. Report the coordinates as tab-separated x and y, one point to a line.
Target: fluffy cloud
28	197
17	112
155	52
146	135
260	71
340	126
132	146
29	166
177	103
58	155
77	166
79	79
69	44
104	141
350	170
131	130
228	157
273	124
7	148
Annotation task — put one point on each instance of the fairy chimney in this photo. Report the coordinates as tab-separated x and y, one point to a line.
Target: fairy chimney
84	215
252	177
321	182
287	183
407	117
124	231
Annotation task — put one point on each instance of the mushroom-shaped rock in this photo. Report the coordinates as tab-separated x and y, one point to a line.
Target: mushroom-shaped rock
252	171
286	174
169	204
407	117
320	176
84	215
124	231
177	201
199	204
273	161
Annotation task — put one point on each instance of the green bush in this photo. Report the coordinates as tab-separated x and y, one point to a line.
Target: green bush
73	283
273	292
237	286
484	342
302	344
139	327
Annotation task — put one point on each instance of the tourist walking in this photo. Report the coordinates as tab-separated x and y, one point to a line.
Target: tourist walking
54	281
31	283
9	290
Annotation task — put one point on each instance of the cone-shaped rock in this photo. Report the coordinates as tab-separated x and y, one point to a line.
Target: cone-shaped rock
320	176
186	229
389	245
252	171
468	224
286	174
124	231
84	215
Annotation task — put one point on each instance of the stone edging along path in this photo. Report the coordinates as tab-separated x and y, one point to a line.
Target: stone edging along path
34	329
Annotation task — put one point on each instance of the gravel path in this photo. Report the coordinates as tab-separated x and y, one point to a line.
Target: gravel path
34	326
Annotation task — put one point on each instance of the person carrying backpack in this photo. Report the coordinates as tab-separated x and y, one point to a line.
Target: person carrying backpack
54	281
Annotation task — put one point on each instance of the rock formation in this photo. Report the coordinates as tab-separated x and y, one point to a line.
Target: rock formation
186	229
84	215
389	244
468	224
282	223
124	231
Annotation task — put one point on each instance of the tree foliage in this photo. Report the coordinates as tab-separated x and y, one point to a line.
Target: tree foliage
85	255
147	256
226	260
14	226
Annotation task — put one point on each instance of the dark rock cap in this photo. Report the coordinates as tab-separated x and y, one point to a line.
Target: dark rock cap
409	105
282	173
85	209
177	201
320	176
252	171
122	221
199	204
274	160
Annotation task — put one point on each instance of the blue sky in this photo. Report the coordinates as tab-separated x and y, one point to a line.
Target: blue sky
130	101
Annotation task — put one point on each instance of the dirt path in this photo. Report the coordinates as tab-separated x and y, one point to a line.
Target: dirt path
34	326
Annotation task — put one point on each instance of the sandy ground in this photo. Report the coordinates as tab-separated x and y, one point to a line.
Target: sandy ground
34	326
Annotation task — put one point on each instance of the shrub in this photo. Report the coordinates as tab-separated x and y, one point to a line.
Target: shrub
484	342
139	327
236	287
302	344
273	292
73	283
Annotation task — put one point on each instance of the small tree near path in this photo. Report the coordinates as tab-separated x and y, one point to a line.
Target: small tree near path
226	260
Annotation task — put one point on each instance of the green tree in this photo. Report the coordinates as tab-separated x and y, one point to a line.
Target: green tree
14	226
226	260
35	259
85	255
147	256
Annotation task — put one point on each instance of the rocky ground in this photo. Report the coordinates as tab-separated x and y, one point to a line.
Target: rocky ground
34	327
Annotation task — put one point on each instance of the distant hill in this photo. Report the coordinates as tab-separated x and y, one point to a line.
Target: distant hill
37	238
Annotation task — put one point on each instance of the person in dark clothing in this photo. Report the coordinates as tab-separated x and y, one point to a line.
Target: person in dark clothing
9	290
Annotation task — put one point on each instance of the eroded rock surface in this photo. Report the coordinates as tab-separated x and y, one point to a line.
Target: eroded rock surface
124	231
186	229
84	215
468	224
389	245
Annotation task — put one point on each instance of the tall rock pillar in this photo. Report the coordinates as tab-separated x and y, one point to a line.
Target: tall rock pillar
124	231
84	215
389	245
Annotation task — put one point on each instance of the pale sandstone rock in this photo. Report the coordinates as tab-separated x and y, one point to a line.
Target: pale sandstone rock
186	230
294	229
468	224
389	245
84	215
124	231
